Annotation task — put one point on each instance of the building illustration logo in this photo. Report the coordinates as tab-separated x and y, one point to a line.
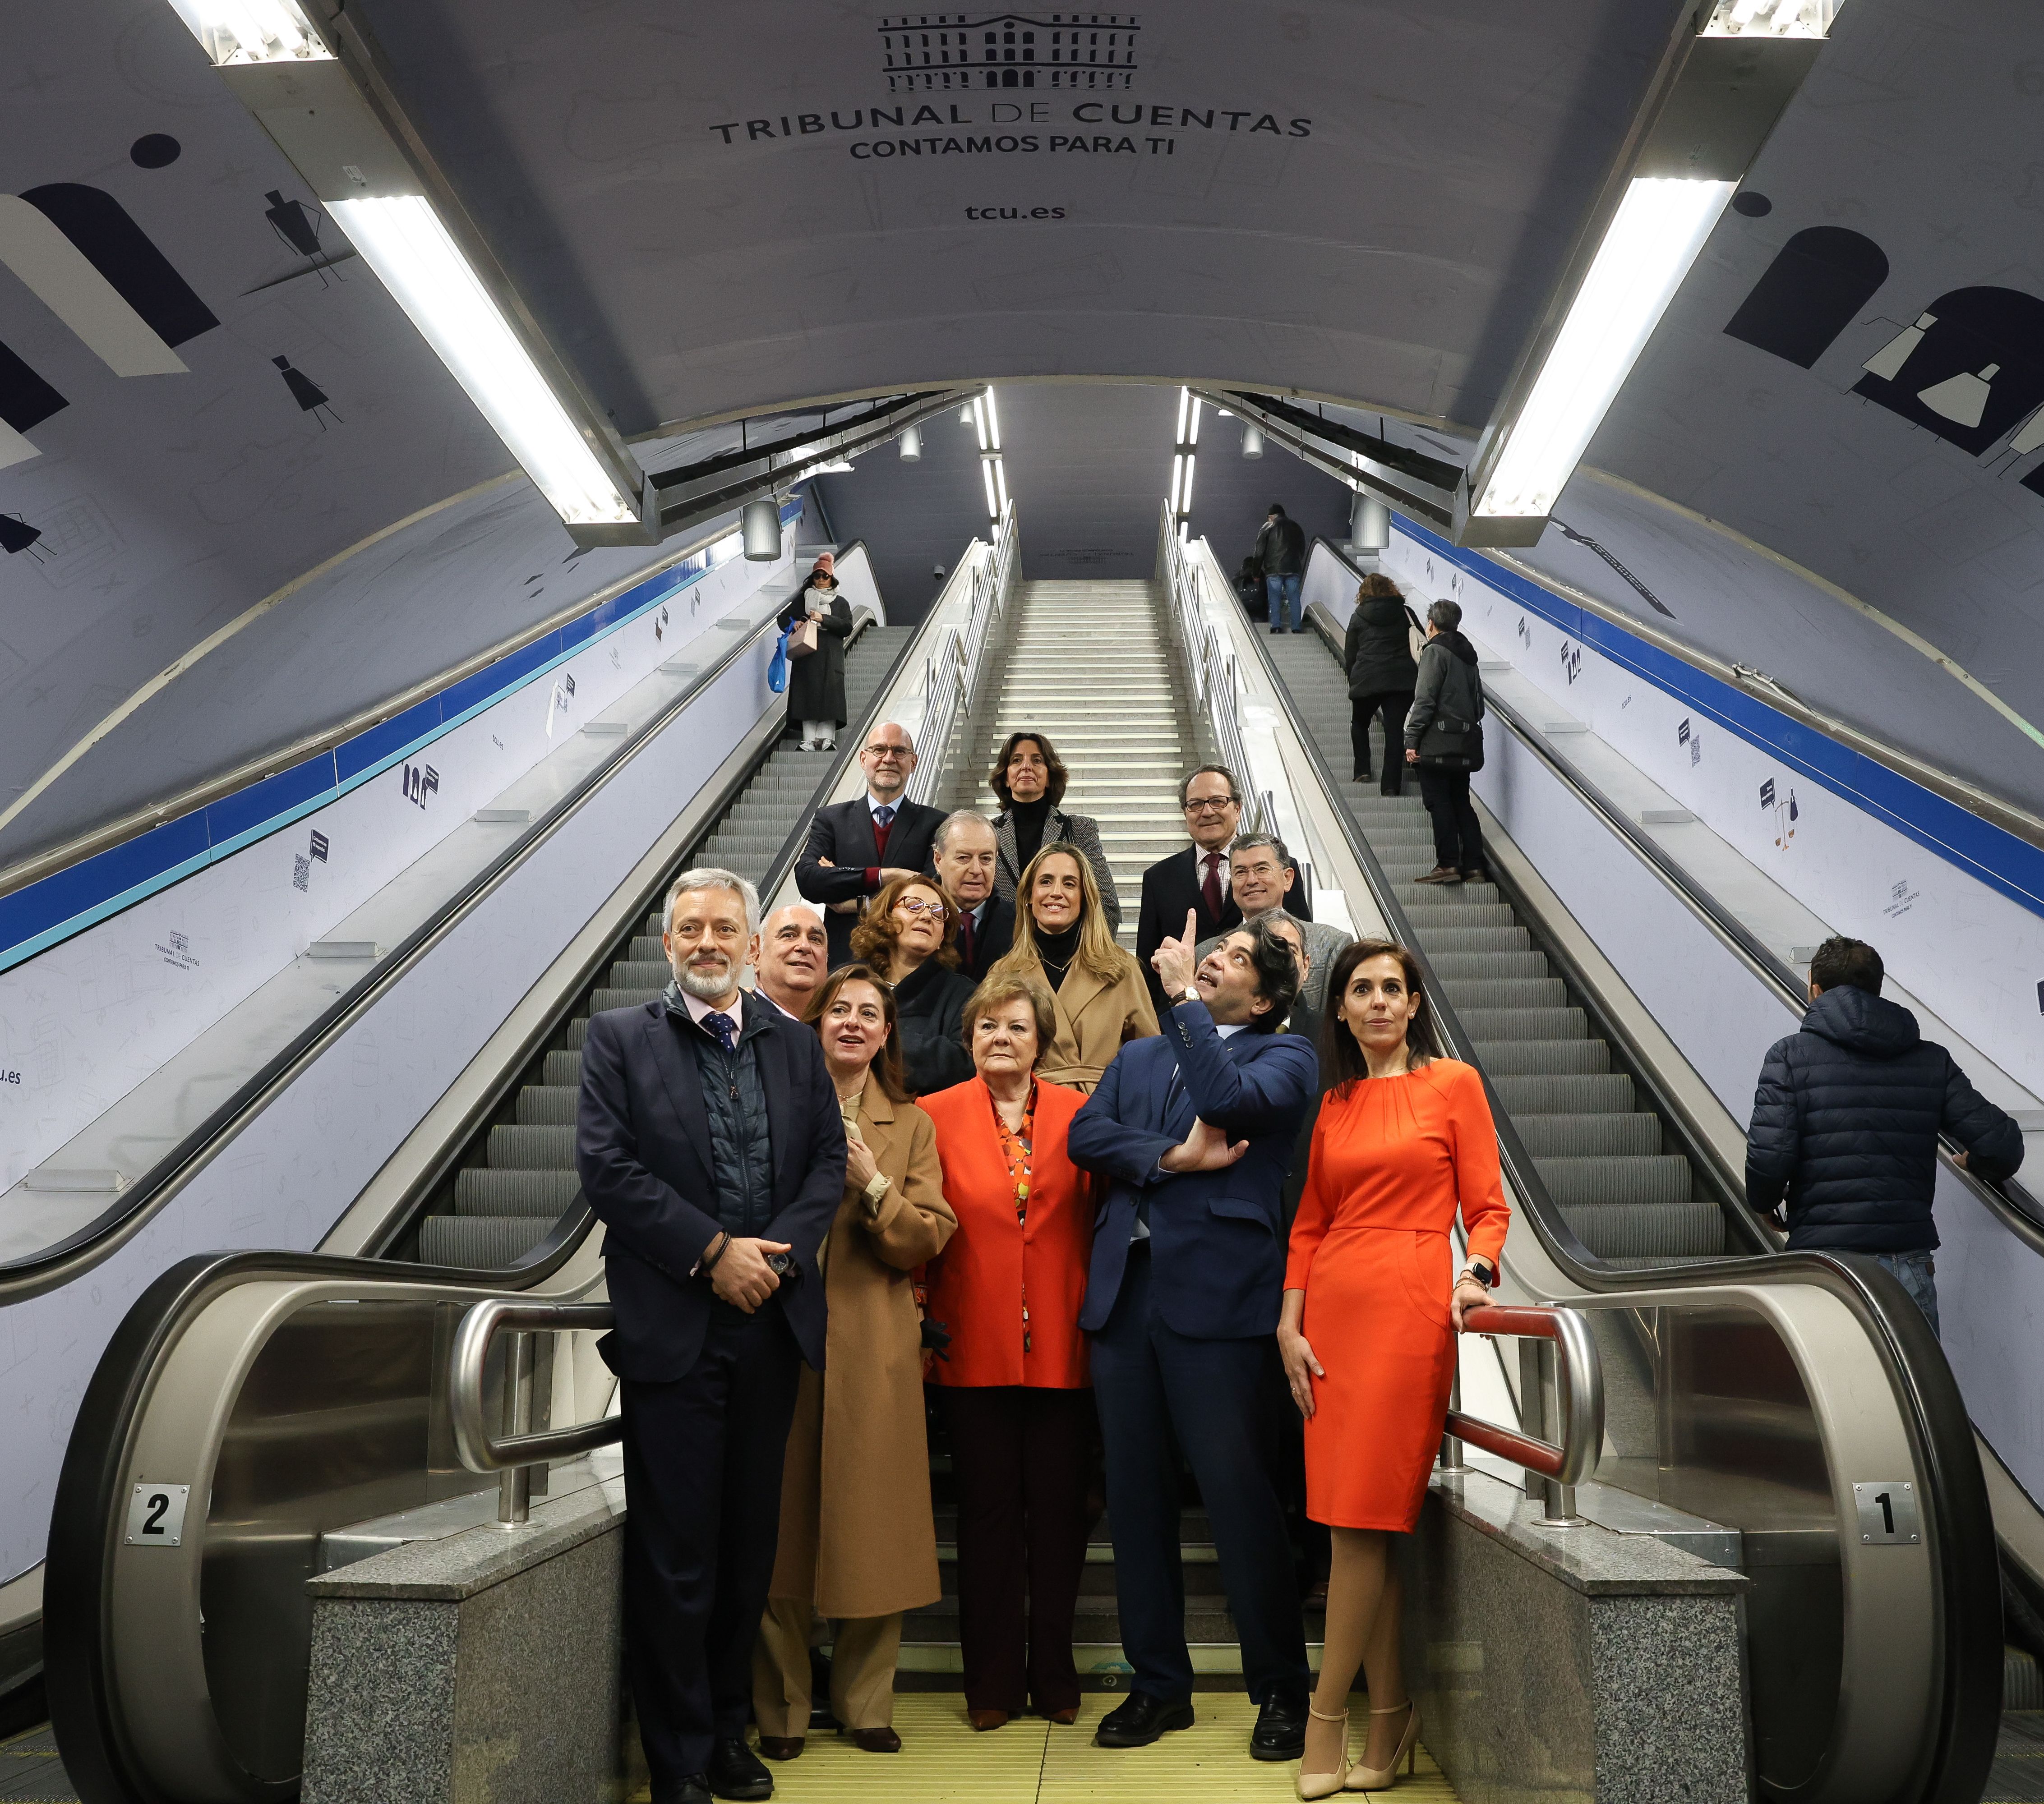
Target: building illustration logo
947	52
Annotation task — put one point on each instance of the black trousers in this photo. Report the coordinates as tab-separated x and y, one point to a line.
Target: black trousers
1019	1457
1458	838
1160	1392
1393	705
702	1489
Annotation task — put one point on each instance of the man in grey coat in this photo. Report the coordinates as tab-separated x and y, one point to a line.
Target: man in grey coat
1444	739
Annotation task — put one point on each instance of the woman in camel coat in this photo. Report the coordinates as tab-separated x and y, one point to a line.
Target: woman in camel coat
857	1544
1063	940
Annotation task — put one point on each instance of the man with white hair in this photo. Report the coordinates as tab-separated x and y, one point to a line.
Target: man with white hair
709	1144
964	857
790	956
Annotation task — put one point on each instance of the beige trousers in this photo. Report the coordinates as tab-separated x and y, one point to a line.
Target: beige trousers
862	1656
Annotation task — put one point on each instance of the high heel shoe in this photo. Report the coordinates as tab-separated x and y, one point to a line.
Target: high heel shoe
1327	1785
1381	1778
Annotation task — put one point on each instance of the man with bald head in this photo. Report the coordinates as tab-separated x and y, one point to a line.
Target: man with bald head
788	956
855	847
966	855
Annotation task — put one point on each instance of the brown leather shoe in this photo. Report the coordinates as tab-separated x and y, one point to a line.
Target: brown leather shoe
881	1741
984	1719
1069	1715
1441	873
781	1747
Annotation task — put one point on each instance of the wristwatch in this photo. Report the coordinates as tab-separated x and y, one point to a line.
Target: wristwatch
1191	993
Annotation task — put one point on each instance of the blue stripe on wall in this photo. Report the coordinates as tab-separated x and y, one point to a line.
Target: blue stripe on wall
1995	857
67	902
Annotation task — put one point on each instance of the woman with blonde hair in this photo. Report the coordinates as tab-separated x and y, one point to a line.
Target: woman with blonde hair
1063	940
908	934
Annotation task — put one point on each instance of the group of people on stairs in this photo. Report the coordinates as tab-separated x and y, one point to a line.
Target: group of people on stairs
956	1147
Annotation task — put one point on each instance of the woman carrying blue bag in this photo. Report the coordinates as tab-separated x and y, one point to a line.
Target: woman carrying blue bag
816	678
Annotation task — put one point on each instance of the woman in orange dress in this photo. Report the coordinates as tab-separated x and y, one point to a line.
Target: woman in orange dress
1370	1320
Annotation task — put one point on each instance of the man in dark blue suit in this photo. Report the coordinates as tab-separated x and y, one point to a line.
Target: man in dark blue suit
709	1144
1196	1129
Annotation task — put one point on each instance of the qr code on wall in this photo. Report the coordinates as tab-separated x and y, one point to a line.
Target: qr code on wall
302	873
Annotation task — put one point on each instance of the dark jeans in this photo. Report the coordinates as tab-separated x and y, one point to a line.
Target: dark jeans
703	1490
1019	1458
1918	1273
1160	1391
1458	840
1393	705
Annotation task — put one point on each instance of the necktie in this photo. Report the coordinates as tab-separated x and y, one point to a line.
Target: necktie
725	1029
883	824
1211	888
965	937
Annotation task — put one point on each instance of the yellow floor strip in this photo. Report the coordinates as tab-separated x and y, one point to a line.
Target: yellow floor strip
942	1761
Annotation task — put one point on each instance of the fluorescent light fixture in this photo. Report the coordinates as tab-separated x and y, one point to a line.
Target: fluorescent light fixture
992	422
911	442
1772	18
965	416
1185	400
403	240
1193	436
979	420
992	500
1001	482
1185	498
1252	441
1659	228
252	31
1178	476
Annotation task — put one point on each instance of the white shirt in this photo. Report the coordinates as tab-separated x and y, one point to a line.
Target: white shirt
873	804
700	1011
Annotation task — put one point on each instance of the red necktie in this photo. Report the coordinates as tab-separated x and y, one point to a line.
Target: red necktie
1211	888
965	937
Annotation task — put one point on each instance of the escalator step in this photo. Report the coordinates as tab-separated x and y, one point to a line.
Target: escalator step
1468	996
1412	896
1544	1093
1439	939
576	1035
1429	917
564	1068
636	974
608	998
547	1105
1623	1231
532	1149
1453	968
479	1242
1524	1023
1659	1180
1588	1136
479	1191
1542	1058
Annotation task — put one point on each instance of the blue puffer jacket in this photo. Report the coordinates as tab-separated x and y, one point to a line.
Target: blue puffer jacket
1847	1121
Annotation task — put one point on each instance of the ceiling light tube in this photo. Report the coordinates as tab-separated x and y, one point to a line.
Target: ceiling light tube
1184	398
235	32
993	421
1192	431
403	240
993	501
1000	483
1659	227
979	420
1185	496
1177	473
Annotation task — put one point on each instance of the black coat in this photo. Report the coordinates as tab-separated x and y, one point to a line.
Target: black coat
1280	548
1845	1124
995	934
930	1003
816	684
1170	886
1445	723
1378	652
642	1152
842	833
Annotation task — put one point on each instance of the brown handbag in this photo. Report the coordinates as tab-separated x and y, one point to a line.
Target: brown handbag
804	640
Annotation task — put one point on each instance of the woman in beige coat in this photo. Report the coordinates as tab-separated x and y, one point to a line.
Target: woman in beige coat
857	1544
1062	938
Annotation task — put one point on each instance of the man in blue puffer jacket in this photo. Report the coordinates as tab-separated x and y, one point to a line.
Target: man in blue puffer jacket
1846	1120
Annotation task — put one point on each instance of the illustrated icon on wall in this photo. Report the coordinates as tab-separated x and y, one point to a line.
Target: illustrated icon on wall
1008	50
1785	812
1816	286
420	781
309	395
1969	367
320	845
17	535
1572	662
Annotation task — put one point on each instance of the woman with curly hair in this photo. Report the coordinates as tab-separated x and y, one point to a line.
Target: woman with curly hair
909	935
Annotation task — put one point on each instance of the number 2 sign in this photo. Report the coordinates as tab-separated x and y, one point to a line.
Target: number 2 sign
156	1515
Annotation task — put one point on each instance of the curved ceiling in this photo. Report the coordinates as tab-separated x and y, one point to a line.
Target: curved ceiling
1355	200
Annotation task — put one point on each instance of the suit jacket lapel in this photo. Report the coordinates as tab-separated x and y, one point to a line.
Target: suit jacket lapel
777	1080
858	839
683	1081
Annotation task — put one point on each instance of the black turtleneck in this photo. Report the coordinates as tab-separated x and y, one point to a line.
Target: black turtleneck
1056	952
1028	818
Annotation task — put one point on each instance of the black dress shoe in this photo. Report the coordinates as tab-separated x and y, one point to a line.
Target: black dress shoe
736	1771
693	1789
1140	1719
1280	1733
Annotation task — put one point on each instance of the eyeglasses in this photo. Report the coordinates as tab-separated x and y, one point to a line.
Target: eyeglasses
912	909
889	751
1210	804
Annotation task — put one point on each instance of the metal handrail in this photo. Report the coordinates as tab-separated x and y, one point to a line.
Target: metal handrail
513	1453
1212	674
953	672
1572	1376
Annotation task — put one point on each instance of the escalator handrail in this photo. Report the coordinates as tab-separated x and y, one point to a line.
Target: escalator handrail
1941	1434
1578	1393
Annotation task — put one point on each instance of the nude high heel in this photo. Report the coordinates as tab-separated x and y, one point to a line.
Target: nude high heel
1327	1785
1381	1778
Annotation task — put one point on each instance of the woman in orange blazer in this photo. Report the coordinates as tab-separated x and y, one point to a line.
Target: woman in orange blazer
1015	1390
1370	1319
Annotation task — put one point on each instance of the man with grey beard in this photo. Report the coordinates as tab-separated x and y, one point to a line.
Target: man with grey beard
709	1144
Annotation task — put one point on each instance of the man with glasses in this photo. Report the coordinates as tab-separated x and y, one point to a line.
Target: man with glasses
1197	879
853	847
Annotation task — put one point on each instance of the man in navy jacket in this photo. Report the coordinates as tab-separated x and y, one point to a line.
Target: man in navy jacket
1195	1126
709	1144
1847	1121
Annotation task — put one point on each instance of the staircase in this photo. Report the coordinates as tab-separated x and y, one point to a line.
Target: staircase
1089	665
519	1178
1604	1155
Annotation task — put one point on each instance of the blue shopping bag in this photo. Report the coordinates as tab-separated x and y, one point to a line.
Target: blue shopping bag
777	668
